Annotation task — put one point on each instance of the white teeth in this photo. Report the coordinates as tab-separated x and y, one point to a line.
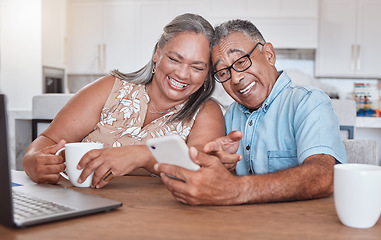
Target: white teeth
247	89
177	84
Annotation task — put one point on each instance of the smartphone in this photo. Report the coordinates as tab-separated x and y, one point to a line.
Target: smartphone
172	150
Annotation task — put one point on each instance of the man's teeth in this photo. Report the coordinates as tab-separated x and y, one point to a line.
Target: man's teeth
177	84
247	89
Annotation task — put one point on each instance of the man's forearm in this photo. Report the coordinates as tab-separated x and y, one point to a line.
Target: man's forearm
313	179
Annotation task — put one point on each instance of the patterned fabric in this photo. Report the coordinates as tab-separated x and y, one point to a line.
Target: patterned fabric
122	118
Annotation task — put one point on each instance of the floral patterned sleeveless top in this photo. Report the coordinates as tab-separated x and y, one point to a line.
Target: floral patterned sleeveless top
122	118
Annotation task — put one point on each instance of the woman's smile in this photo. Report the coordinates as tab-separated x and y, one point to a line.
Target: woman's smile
176	84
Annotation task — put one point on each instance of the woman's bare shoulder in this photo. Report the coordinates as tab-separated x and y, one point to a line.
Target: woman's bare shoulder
101	84
211	104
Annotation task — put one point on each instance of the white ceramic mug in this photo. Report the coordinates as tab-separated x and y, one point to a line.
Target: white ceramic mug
73	154
357	194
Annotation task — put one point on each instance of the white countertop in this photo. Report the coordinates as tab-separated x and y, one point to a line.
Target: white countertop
368	122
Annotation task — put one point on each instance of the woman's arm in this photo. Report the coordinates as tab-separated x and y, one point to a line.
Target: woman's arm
75	121
209	125
208	134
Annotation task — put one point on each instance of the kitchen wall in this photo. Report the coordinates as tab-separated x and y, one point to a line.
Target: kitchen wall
20	67
300	65
20	52
22	37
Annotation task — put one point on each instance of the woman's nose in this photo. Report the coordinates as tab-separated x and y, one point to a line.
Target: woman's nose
183	71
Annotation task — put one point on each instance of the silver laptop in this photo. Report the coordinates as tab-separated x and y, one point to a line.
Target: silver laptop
25	205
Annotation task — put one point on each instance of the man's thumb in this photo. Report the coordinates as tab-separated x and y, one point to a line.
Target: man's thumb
235	135
200	158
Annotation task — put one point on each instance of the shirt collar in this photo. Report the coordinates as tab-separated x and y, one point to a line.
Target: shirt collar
282	82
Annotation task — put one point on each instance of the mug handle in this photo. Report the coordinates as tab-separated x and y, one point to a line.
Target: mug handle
63	174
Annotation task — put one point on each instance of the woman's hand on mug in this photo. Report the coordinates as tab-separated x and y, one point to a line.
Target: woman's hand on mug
44	166
120	160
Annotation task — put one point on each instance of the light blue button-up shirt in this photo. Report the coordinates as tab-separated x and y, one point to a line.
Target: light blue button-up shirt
293	123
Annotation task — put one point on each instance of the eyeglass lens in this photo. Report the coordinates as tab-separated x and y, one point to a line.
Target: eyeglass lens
240	65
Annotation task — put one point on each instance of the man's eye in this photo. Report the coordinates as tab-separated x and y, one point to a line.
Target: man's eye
222	73
241	63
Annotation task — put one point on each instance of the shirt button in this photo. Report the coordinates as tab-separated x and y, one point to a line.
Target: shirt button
251	123
248	147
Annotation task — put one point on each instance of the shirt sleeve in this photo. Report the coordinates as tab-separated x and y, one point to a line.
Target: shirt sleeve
317	129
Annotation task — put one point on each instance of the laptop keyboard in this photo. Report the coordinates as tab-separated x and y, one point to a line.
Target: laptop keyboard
26	206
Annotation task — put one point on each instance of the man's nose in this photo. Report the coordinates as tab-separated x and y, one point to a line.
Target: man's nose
236	77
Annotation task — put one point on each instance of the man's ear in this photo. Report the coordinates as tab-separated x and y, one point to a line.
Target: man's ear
269	53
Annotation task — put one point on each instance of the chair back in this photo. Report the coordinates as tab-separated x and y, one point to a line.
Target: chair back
44	109
361	151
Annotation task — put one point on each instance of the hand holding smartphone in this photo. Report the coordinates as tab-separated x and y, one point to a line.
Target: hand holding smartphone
172	150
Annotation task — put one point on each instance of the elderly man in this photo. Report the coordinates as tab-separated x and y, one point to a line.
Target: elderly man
286	136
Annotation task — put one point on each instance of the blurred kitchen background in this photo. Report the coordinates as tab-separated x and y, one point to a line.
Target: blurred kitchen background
59	46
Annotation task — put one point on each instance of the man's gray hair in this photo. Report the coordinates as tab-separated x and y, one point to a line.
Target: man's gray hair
237	25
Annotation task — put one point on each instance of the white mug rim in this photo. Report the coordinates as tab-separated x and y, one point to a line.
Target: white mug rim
82	143
357	167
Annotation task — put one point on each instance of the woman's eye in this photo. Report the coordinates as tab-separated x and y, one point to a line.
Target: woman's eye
198	68
173	60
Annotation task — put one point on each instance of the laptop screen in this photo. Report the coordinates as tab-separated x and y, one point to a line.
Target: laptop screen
6	216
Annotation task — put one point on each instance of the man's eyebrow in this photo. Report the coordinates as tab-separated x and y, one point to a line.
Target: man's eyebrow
231	51
182	58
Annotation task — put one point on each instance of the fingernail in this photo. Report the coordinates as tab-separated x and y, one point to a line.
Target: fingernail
156	167
79	167
193	151
79	180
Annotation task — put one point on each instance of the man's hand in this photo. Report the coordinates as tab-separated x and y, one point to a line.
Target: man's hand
225	149
212	184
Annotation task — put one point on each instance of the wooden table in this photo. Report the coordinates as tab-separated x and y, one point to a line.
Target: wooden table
150	212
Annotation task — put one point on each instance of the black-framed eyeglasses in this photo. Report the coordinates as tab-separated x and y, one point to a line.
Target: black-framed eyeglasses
239	65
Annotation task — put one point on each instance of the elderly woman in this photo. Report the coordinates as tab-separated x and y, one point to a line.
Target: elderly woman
169	95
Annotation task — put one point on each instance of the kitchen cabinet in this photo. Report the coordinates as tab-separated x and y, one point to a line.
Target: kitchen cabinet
53	39
287	24
117	34
349	39
104	35
100	36
151	17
